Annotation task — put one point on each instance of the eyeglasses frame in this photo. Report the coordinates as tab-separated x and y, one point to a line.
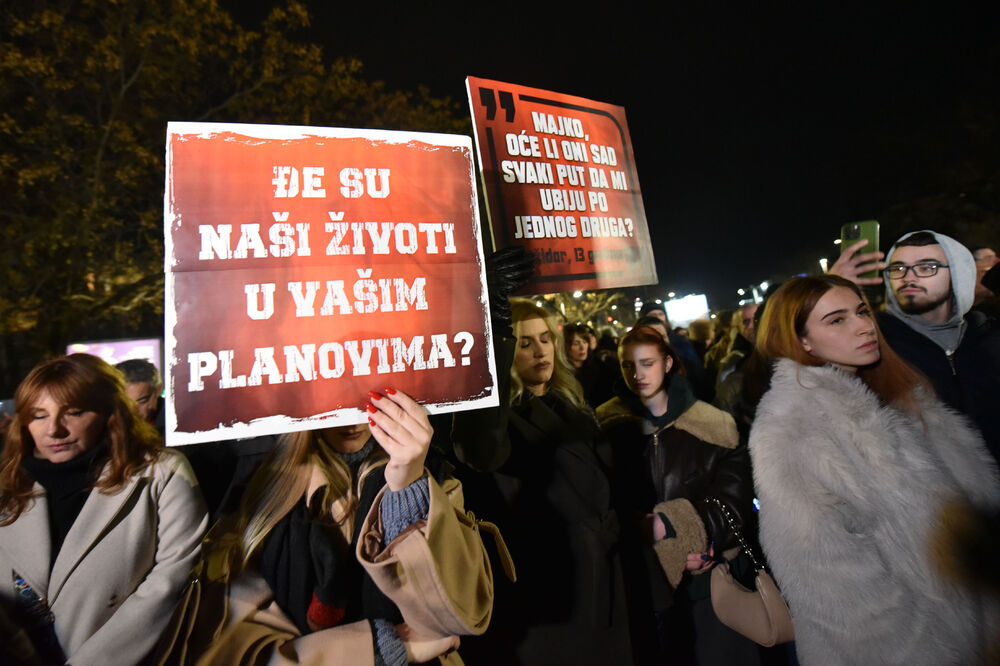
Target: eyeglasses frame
888	270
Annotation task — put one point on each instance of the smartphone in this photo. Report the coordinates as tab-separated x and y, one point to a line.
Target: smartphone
852	232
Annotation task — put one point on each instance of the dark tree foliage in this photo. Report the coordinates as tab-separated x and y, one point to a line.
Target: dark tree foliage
87	89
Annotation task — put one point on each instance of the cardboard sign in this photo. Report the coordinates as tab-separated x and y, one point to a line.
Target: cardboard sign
307	266
560	179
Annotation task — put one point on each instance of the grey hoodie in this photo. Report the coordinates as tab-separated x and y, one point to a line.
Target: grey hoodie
963	284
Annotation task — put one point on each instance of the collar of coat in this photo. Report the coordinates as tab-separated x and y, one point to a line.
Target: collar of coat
28	542
825	375
695	417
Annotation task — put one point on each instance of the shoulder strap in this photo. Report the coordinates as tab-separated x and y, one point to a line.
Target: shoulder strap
736	531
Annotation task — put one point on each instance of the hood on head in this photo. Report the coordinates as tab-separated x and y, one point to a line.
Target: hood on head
963	274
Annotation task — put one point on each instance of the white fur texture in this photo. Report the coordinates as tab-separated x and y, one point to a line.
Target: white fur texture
849	489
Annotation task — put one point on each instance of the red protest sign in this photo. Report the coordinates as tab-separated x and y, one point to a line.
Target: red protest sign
560	179
307	266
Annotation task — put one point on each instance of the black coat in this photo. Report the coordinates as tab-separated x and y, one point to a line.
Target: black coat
695	455
969	381
540	470
669	466
597	377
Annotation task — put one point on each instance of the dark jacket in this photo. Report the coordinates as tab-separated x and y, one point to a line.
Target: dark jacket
597	377
673	468
540	470
969	380
670	466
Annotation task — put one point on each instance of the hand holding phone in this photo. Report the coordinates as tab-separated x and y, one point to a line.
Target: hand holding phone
862	268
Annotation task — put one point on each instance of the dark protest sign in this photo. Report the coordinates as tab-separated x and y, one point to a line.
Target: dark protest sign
560	179
307	266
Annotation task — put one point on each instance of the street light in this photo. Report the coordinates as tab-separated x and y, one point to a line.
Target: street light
577	294
670	295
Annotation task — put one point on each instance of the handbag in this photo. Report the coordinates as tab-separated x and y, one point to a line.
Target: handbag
761	614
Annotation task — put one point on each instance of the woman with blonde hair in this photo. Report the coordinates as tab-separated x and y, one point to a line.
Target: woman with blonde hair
854	460
351	546
545	482
99	524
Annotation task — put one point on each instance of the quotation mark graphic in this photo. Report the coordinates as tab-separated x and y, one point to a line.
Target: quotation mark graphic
488	100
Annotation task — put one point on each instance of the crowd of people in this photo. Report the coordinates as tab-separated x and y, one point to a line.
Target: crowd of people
582	521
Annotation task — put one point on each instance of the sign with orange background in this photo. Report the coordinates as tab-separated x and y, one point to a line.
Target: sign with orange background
307	266
560	179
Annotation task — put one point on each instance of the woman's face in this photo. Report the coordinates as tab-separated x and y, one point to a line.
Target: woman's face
347	439
62	432
578	349
644	368
533	361
840	330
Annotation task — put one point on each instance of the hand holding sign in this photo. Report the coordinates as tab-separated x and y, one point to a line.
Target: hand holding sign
401	427
309	265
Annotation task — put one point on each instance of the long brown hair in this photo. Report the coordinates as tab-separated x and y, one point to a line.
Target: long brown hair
784	324
85	382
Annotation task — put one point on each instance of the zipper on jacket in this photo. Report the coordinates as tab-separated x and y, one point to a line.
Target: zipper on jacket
951	361
657	433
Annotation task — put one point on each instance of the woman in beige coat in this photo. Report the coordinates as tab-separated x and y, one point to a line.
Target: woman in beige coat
99	524
351	547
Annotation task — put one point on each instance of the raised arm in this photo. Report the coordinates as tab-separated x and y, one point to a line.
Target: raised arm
417	543
480	437
852	263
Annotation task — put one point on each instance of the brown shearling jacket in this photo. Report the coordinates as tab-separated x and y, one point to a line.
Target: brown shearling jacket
673	469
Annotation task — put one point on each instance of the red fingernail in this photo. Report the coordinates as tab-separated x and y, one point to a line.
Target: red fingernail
389	391
371	421
370	407
374	395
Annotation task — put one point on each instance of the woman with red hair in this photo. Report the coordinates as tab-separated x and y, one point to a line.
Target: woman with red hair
99	524
674	456
854	459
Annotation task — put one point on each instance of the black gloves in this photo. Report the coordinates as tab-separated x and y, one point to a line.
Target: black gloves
507	270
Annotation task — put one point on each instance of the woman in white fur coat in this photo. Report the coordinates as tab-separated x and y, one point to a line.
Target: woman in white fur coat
854	459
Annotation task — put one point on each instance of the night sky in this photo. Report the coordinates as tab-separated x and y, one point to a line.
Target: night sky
757	132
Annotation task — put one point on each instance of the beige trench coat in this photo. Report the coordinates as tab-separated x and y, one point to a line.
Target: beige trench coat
436	572
122	567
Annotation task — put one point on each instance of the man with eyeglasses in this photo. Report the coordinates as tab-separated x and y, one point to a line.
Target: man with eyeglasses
930	281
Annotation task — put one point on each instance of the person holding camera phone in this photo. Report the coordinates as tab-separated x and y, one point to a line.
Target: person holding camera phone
930	285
